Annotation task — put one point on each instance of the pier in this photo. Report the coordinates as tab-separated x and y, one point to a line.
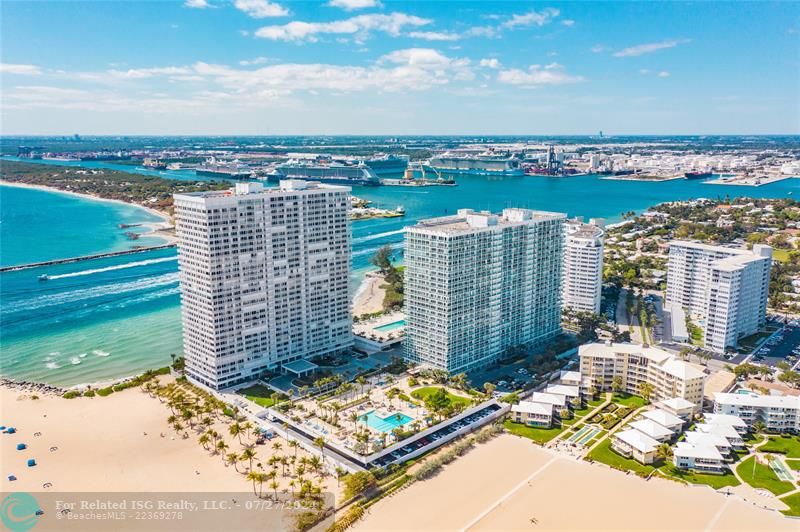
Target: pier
85	257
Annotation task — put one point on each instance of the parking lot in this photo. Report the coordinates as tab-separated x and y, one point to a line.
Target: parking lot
782	345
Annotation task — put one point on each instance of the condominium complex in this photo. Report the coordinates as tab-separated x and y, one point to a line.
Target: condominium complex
724	290
477	284
264	277
583	265
778	413
634	365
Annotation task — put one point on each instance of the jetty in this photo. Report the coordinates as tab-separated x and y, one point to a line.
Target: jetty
85	257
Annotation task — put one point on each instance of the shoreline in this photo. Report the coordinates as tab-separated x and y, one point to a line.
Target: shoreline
166	219
620	178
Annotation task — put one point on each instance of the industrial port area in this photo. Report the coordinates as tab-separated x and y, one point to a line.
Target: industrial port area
440	161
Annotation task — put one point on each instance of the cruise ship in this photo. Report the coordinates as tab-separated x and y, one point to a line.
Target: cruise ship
333	172
233	170
487	164
388	165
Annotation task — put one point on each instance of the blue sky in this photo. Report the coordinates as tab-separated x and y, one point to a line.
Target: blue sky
382	67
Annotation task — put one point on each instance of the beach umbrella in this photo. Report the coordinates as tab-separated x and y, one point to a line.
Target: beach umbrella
2	427
31	462
11	430
21	446
12	478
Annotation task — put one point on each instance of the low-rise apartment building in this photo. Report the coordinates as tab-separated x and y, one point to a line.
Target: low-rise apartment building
633	365
777	412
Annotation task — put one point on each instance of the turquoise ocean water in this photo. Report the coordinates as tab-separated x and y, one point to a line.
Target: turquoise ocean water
103	319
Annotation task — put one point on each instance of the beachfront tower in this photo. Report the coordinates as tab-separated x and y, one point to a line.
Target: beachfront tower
264	277
723	290
477	284
582	281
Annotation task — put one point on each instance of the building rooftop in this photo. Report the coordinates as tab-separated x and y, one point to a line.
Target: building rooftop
725	419
563	389
548	398
677	403
725	431
703	438
251	187
662	417
651	428
688	450
570	376
757	401
530	407
719	381
638	440
469	221
668	362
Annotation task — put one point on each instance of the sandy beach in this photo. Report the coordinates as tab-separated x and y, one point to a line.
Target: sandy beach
511	484
369	297
114	444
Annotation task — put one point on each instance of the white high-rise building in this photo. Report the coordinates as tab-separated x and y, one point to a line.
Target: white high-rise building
477	284
582	283
723	289
264	277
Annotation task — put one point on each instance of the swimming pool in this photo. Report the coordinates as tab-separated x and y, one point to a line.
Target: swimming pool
399	324
385	424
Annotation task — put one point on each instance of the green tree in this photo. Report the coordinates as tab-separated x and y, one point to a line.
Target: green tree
358	483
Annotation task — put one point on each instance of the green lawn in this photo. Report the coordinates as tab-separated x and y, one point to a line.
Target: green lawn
423	393
261	395
715	481
539	435
781	255
787	445
762	477
793	502
794	464
749	342
603	453
626	399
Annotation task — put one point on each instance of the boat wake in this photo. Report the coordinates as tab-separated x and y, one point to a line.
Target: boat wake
113	268
377	236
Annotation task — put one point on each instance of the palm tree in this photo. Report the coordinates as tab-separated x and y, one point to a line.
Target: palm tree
221	446
235	430
489	388
249	454
354	418
616	384
320	442
758	427
274	485
232	459
645	390
339	474
256	476
664	452
203	440
277	446
294	444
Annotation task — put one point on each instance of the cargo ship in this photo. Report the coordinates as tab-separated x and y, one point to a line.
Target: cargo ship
697	175
334	172
483	165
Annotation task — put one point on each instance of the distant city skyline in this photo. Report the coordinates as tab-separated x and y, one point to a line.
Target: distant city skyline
364	67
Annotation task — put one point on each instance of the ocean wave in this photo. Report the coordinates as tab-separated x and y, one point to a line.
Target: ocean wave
368	251
74	361
52	365
377	236
100	353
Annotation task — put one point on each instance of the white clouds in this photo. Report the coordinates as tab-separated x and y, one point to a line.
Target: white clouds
352	5
532	18
434	36
490	63
648	48
663	74
22	70
144	73
196	4
537	75
360	27
260	8
255	61
568	23
598	49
